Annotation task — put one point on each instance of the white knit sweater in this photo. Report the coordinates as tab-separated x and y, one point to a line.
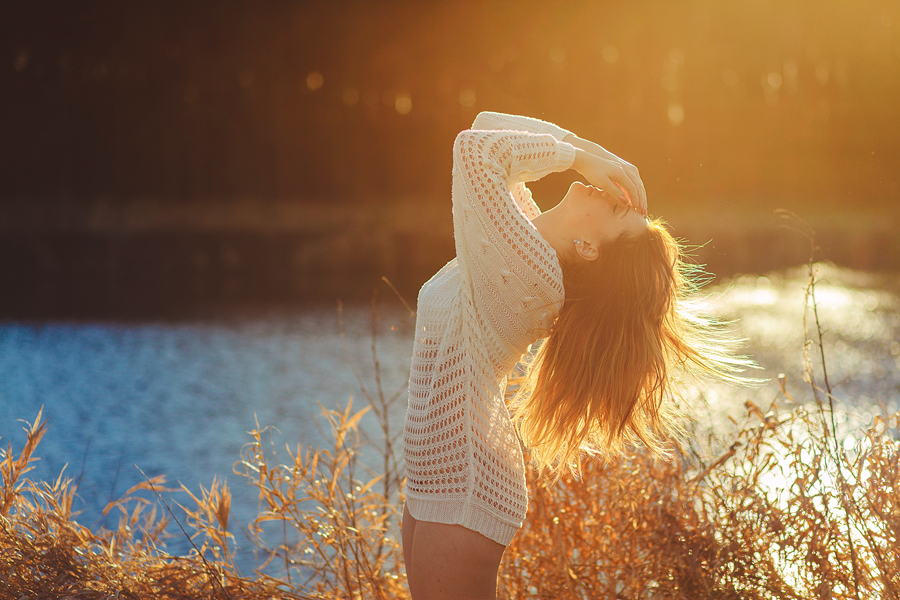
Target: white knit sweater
476	318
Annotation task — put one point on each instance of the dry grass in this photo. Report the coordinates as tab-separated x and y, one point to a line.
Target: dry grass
783	513
47	554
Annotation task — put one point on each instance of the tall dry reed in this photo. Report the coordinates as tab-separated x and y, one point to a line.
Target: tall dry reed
784	512
45	553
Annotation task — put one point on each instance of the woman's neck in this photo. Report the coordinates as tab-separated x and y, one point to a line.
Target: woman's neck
552	227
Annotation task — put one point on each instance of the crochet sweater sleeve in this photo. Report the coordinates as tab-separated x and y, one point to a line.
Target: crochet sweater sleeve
499	121
510	274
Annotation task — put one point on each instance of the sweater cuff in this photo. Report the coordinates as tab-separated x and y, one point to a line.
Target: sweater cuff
565	155
546	127
557	131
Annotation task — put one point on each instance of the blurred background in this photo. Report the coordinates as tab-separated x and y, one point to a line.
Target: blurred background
187	187
160	157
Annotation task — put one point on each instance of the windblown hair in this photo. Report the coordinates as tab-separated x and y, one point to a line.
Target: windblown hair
605	376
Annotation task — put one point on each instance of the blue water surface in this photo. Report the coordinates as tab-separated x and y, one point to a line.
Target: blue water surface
177	398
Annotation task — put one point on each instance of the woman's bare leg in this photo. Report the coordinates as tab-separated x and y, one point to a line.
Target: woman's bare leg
450	562
408	530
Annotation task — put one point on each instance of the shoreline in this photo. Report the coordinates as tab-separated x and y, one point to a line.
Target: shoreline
146	259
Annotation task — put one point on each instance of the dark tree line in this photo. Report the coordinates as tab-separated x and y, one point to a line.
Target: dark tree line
360	101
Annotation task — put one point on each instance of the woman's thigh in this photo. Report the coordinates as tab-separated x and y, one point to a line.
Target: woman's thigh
450	562
407	531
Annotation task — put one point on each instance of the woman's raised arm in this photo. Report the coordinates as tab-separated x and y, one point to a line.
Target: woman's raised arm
637	195
494	121
501	255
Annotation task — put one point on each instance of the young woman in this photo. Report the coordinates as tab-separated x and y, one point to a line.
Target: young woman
595	277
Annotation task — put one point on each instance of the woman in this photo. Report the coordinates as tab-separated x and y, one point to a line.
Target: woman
595	277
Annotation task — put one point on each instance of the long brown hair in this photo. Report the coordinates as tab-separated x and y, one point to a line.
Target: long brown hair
627	330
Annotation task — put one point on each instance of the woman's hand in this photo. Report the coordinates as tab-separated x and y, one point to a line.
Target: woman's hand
609	175
635	192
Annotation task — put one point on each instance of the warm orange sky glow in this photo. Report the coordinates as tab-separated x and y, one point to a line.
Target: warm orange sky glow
778	103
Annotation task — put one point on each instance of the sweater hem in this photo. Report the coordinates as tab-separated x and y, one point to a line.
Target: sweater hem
462	512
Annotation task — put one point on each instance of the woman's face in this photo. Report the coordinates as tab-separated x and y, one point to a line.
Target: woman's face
601	216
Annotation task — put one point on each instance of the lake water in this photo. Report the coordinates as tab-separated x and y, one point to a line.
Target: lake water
177	398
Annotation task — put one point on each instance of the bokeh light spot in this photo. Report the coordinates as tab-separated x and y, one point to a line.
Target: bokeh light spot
871	303
676	114
771	84
558	55
403	103
670	79
246	79
610	54
467	97
314	80
21	60
823	73
350	96
790	70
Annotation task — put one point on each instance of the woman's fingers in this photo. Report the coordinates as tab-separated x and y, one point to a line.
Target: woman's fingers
635	205
640	201
623	197
642	194
624	183
609	174
636	201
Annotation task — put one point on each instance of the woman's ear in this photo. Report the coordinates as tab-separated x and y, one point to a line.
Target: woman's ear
586	250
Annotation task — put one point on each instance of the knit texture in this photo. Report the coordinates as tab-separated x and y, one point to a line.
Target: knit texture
476	318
